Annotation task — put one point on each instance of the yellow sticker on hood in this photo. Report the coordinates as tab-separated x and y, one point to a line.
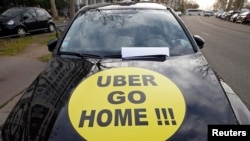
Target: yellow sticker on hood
126	104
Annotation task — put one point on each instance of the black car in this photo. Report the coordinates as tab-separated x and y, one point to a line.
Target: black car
127	71
19	21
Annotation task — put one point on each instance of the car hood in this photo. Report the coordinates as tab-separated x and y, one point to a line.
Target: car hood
4	19
96	99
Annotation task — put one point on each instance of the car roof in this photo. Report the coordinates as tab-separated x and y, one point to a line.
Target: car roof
25	8
126	5
143	5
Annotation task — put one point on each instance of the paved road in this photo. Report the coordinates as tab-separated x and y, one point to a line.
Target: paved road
11	82
15	75
227	49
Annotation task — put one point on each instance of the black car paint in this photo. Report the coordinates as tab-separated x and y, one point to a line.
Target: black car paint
41	113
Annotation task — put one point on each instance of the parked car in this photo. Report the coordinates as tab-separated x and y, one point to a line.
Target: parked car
223	15
234	17
19	21
179	13
208	13
243	18
127	71
228	15
219	13
248	21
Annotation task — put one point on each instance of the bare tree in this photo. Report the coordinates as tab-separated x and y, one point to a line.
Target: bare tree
220	4
53	9
248	5
72	8
235	5
229	5
238	4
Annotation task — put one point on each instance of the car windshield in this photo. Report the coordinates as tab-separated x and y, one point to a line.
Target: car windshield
12	12
105	32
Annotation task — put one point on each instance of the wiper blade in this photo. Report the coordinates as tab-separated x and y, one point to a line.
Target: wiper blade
81	55
113	56
147	57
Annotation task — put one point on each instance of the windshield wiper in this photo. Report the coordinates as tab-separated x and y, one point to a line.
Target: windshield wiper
81	55
113	56
147	58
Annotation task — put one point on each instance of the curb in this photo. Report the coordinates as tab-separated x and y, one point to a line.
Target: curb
3	117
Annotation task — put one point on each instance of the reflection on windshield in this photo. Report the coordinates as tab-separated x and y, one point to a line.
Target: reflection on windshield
105	32
11	12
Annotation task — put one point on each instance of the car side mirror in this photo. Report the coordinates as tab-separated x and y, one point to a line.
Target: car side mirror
25	16
52	44
199	41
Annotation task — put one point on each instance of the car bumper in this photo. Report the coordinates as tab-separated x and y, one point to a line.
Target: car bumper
7	30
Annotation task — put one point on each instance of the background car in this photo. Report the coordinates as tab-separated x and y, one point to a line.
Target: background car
179	13
125	71
227	15
243	18
234	17
208	13
223	15
219	13
23	20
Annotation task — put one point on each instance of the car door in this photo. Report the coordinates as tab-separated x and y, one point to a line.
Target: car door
29	19
42	18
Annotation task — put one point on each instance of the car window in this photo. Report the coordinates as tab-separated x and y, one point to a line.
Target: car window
40	13
105	32
12	12
30	13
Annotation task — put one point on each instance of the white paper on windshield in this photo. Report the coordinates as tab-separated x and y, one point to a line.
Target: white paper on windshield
144	51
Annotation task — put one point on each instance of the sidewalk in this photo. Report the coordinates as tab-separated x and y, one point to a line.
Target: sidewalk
18	72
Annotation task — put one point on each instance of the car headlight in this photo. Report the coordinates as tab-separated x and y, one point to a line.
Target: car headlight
10	22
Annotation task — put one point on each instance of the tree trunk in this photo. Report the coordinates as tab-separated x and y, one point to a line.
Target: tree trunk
241	5
72	8
53	9
229	5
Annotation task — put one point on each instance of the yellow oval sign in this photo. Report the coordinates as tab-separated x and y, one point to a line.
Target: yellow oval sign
126	104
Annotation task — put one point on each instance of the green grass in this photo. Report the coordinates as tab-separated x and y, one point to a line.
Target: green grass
13	46
10	47
45	58
49	37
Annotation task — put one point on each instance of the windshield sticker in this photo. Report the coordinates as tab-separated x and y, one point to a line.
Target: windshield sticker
126	104
144	51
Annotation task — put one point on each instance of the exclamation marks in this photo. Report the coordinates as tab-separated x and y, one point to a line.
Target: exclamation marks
163	113
171	113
